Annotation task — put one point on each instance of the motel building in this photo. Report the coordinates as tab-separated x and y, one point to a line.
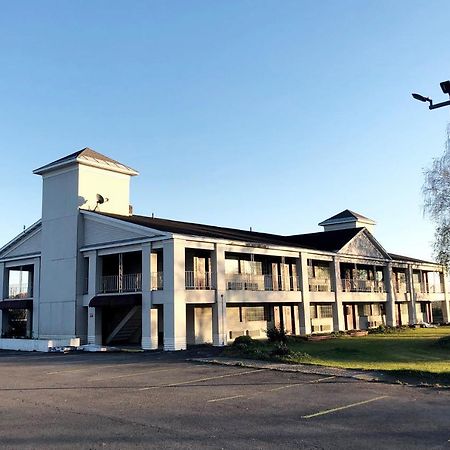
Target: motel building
90	271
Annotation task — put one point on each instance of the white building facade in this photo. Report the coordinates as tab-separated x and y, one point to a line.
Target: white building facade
90	271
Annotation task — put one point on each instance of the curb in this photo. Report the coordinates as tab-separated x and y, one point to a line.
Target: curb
297	368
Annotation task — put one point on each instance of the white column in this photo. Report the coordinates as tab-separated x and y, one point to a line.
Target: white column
174	295
2	292
94	314
338	309
412	316
390	303
36	297
149	315
446	303
304	311
219	315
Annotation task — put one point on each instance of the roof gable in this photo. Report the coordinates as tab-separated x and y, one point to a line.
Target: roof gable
104	229
26	243
364	244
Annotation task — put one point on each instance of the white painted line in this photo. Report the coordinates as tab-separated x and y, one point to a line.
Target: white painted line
198	380
279	388
135	374
224	398
340	408
118	365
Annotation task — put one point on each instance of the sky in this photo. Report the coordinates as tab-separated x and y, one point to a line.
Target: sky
273	115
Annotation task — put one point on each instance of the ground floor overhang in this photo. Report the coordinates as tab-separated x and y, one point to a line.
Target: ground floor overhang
16	304
116	300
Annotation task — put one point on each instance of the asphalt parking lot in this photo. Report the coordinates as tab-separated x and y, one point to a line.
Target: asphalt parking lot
158	400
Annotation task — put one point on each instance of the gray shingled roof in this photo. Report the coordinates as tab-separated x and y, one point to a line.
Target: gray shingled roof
347	214
87	154
327	241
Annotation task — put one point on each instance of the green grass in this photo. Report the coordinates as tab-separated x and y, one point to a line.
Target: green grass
413	351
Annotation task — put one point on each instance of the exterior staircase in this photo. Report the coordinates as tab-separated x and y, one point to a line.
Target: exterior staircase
128	329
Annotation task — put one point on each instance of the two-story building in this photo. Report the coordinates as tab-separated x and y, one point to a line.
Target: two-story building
90	271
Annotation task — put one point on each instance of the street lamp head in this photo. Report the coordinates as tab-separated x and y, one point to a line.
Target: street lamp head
421	98
445	86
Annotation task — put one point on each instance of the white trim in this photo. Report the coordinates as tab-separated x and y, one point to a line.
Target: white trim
30	256
136	242
86	161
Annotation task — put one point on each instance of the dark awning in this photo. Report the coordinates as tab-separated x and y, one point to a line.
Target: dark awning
116	300
16	304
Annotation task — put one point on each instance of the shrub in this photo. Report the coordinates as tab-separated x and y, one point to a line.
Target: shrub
276	334
280	349
243	340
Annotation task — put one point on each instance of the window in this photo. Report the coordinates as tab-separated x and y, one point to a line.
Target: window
254	313
326	311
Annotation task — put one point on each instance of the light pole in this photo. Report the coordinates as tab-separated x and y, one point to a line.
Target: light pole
445	86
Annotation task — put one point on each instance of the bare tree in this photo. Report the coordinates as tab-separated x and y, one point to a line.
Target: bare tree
436	192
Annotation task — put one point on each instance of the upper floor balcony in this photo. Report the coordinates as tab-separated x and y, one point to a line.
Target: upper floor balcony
131	282
237	282
198	280
425	288
354	285
319	284
400	287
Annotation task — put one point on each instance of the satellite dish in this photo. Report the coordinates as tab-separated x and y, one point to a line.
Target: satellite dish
100	199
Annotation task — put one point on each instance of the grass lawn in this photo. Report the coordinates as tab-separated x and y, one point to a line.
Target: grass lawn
410	351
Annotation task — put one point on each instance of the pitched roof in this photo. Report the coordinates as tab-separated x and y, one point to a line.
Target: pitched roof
408	258
346	215
324	240
89	157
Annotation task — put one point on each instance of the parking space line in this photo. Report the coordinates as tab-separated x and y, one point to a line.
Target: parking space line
57	372
198	380
135	374
279	388
340	408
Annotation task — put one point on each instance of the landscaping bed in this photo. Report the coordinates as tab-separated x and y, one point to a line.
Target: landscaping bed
422	354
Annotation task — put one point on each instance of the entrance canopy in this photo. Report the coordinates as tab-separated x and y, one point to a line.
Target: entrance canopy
116	300
16	304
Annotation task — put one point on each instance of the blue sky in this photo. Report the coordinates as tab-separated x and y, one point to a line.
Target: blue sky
266	114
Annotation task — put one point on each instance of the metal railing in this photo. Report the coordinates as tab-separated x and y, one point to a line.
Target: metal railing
401	287
237	282
131	282
352	285
425	288
18	291
197	280
157	281
319	285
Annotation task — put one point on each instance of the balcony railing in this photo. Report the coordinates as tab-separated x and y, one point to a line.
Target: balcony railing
400	288
351	285
157	281
18	291
319	285
131	282
237	282
197	280
425	288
